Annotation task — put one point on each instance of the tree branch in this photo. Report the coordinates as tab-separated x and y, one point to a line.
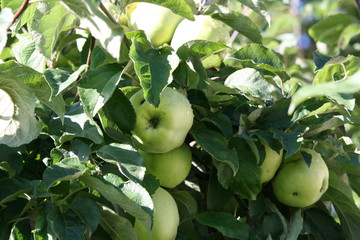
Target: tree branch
22	8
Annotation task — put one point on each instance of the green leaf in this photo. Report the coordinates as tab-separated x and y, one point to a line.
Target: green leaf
37	83
18	124
329	29
118	227
50	19
133	199
347	34
97	86
124	117
241	23
67	169
259	57
295	225
250	82
88	211
339	193
26	53
109	34
127	159
333	89
6	17
76	124
186	203
179	7
217	146
224	223
199	49
152	66
61	79
258	7
43	230
11	188
291	140
65	225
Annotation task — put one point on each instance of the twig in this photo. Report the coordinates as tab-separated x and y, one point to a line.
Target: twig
91	48
108	14
19	12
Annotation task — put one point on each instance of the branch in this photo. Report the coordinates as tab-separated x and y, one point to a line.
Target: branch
22	8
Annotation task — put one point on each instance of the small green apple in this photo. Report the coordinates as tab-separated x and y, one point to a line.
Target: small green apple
166	218
203	28
271	163
163	128
170	168
298	185
158	23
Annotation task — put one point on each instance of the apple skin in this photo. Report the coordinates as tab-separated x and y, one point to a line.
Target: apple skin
166	218
163	128
170	168
158	23
298	185
203	28
270	164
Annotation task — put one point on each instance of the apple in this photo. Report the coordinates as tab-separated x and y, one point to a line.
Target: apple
170	168
270	164
163	128
158	23
203	28
166	218
298	185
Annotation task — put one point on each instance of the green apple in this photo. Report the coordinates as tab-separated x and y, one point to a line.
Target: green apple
170	168
163	128
298	185
158	23
203	28
271	163
166	218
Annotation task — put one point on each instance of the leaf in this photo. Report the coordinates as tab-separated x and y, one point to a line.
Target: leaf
118	227
179	7
259	57
241	23
329	29
108	33
67	169
37	83
291	140
217	146
128	160
76	124
332	89
152	66
347	34
258	7
61	79
65	225
186	203
26	53
199	49
97	86
295	225
49	20
124	117
11	188
43	230
18	124
250	82
346	209
88	211
224	223
6	17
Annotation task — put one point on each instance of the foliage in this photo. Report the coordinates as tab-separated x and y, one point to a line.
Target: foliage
70	169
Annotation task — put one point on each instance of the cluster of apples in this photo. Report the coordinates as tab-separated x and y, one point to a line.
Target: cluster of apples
160	134
295	182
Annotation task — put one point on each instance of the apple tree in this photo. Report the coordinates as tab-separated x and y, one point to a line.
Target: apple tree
179	119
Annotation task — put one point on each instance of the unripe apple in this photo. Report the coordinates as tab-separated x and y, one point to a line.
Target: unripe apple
157	22
170	168
203	28
166	218
298	185
163	128
270	164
